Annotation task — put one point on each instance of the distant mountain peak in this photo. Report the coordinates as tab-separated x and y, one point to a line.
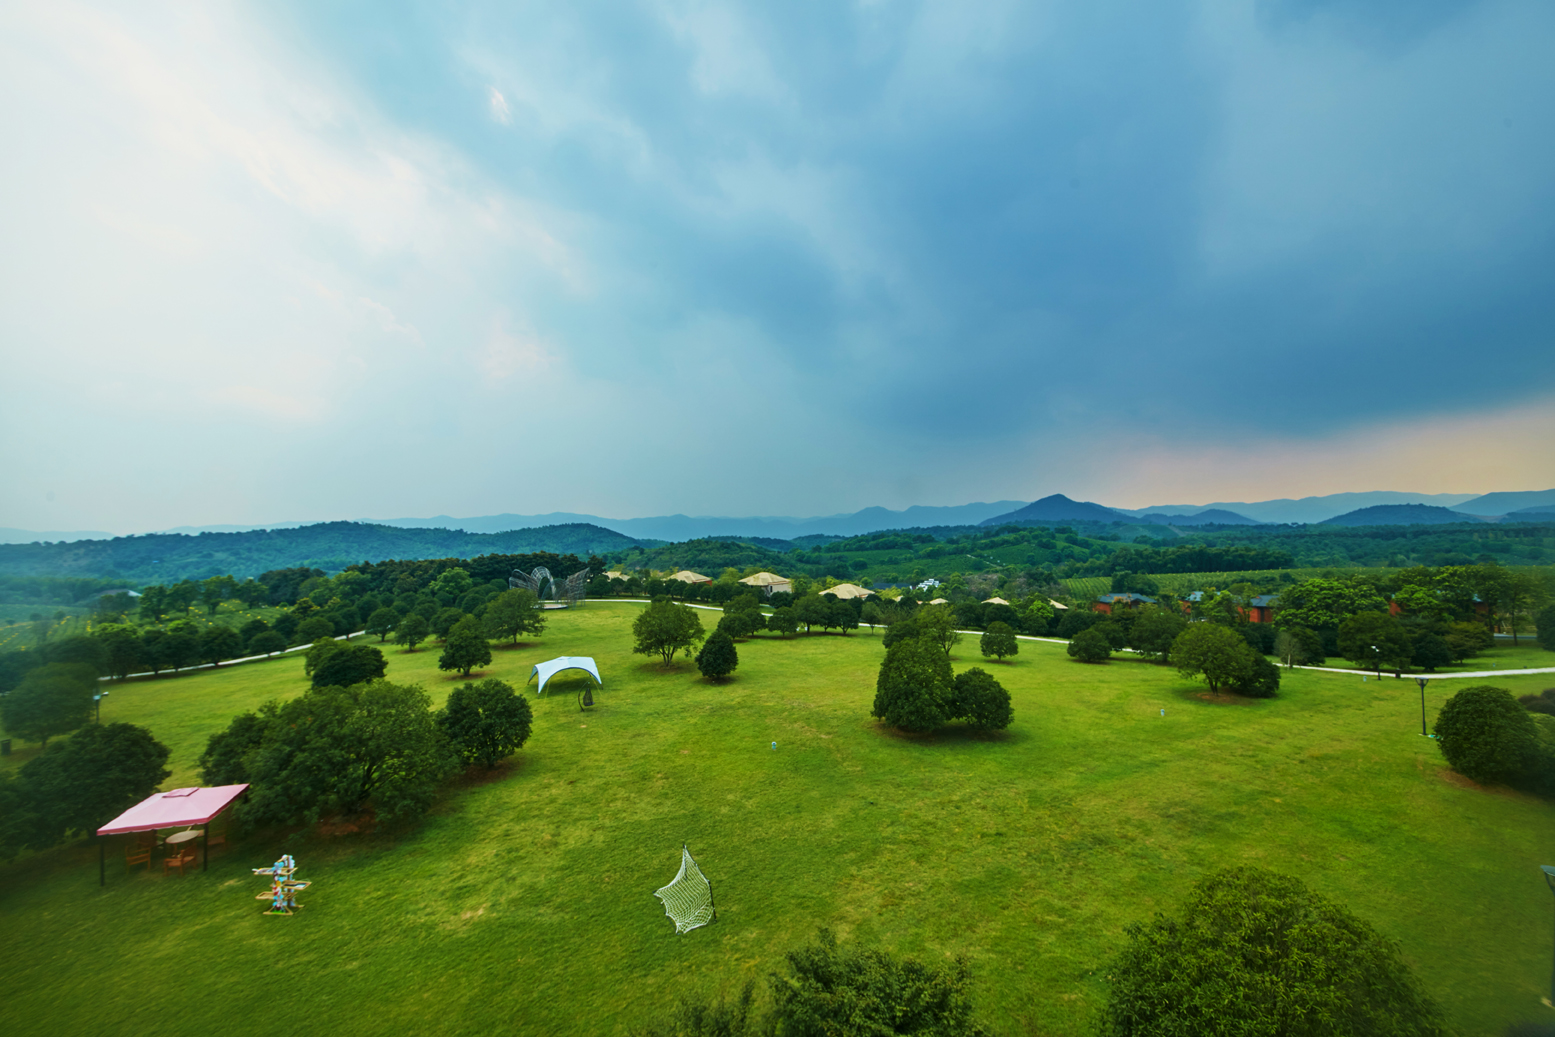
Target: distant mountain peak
1057	508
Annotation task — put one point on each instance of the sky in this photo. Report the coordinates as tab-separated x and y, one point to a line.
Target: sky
267	262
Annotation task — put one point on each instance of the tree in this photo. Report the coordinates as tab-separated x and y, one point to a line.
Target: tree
871	615
411	631
1298	646
322	649
180	648
741	624
348	665
1467	639
382	622
811	610
664	628
999	641
1430	650
1322	604
122	646
218	643
444	622
1545	633
225	759
1154	631
981	701
87	651
486	723
718	658
465	648
1255	952
50	700
314	628
216	590
1486	735
514	612
1375	639
937	623
1090	646
98	773
1216	653
830	991
783	621
914	689
339	750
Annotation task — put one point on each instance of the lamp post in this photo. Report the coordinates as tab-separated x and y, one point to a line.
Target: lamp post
1549	879
98	704
1421	681
1376	661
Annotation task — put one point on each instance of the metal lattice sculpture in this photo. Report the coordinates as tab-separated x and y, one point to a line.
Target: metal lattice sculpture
534	582
572	591
575	588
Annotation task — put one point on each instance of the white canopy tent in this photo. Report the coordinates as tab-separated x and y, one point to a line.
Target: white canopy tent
551	667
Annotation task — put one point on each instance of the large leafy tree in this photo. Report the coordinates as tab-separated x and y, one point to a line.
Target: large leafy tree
50	700
1486	735
914	689
1254	952
411	631
1090	646
664	628
348	665
465	648
1375	640
341	750
1322	603
381	622
1545	634
1216	653
122	644
218	643
95	775
486	723
1154	631
514	612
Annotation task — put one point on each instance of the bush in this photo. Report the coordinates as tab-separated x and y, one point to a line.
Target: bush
485	723
1263	682
1485	735
1255	952
981	701
999	641
1090	646
914	689
829	991
1431	651
1544	702
1545	634
717	659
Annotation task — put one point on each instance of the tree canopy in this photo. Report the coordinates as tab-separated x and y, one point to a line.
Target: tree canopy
664	628
487	722
98	773
718	657
1485	734
466	647
52	699
1216	653
914	689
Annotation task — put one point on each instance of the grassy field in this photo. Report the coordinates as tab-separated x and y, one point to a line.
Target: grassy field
524	903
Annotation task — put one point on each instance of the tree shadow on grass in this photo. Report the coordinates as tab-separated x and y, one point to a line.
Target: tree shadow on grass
952	734
1214	698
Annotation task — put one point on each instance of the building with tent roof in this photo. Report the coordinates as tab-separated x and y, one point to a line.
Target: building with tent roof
995	601
770	583
848	591
687	576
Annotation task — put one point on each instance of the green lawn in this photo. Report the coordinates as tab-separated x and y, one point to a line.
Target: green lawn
524	904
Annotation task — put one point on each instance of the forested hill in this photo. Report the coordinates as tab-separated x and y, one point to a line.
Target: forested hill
331	546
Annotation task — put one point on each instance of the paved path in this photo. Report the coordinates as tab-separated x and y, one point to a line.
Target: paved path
230	662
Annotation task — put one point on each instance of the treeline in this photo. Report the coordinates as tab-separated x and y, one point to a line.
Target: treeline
53	590
1188	558
332	546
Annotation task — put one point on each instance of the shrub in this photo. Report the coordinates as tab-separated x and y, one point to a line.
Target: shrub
1545	634
980	700
1264	680
1485	735
717	659
1090	646
1255	952
1544	702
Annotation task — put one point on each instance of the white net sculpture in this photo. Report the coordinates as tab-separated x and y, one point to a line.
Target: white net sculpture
689	899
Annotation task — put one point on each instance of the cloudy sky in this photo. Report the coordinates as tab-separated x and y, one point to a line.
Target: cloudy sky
306	261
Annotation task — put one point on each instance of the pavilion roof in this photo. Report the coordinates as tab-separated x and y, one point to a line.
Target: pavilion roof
192	806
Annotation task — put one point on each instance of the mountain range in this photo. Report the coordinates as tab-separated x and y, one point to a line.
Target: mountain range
1055	508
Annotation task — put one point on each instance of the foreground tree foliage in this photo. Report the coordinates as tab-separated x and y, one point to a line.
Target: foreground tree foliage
915	686
50	700
981	700
333	751
664	628
98	773
1216	653
1256	953
486	723
1485	734
346	665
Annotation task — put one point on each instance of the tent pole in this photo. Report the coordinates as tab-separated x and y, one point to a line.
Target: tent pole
205	845
102	862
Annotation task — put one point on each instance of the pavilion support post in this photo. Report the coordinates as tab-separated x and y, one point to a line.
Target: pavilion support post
205	847
102	862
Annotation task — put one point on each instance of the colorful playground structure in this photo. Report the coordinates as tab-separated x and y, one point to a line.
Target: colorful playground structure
283	886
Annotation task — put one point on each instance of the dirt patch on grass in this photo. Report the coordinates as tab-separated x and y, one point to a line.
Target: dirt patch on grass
364	823
1223	698
1457	780
476	776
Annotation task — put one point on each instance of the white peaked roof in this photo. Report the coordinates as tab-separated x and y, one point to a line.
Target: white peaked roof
764	579
1058	604
844	591
687	576
551	667
995	601
940	601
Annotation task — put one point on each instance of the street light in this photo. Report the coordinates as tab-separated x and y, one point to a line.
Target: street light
1376	661
1421	681
98	699
1549	878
